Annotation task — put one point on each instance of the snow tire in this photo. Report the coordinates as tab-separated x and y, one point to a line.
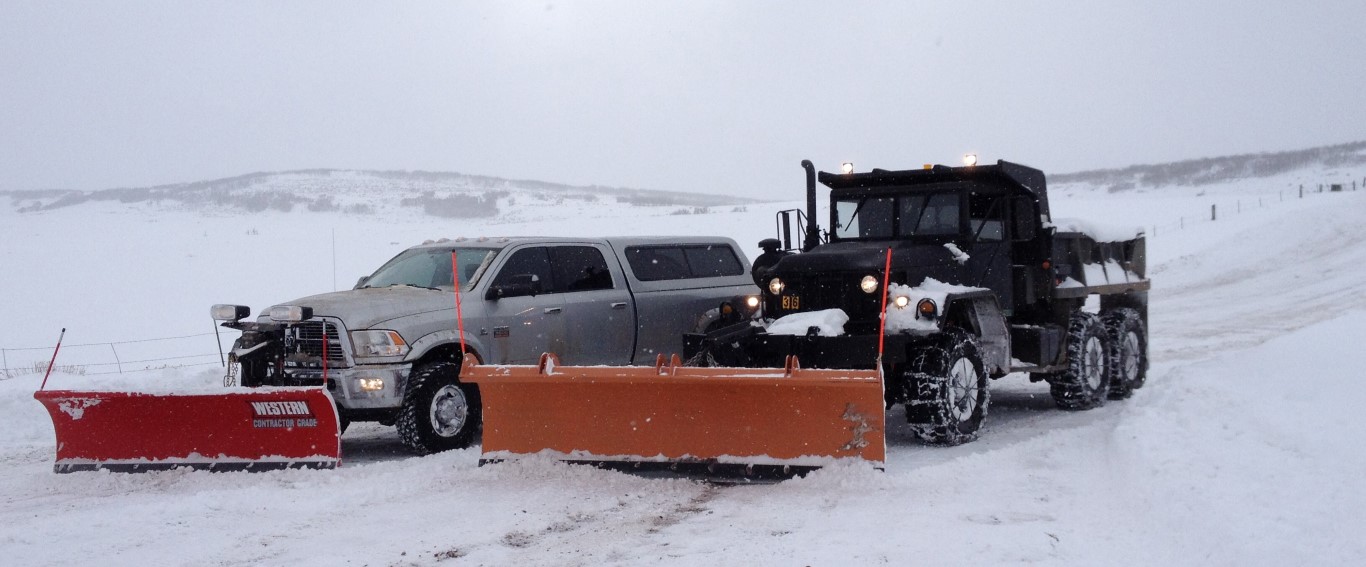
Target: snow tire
439	413
1129	353
946	389
1085	383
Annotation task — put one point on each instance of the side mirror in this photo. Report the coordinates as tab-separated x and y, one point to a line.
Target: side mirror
360	282
520	285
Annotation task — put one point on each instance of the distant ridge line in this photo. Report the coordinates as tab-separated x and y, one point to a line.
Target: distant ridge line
1206	171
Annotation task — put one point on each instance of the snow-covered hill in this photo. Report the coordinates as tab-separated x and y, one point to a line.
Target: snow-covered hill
391	194
1244	447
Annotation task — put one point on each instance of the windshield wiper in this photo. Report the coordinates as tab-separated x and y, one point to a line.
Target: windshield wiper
414	285
857	208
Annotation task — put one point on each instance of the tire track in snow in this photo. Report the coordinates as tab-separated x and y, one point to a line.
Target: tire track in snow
632	529
1296	270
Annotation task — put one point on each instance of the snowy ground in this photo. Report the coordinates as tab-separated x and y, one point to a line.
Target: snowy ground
1240	450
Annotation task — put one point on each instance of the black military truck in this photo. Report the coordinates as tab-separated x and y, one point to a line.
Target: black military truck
981	283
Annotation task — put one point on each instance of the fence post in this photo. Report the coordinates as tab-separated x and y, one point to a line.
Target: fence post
1213	214
117	362
1301	191
1183	222
5	357
1239	204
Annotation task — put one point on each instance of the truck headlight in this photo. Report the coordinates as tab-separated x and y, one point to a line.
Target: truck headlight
378	343
775	286
868	285
901	301
229	312
290	313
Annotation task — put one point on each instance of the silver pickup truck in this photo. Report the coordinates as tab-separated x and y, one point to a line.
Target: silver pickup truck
389	350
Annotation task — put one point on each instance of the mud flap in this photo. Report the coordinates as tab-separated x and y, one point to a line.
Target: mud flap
745	421
253	429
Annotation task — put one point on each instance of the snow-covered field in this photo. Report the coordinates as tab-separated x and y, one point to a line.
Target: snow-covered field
1242	448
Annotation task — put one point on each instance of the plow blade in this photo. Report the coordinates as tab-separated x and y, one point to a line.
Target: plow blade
257	429
727	421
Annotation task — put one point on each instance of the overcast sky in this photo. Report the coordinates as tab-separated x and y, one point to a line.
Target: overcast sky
723	97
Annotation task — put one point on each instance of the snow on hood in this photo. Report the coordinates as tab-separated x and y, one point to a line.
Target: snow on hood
829	322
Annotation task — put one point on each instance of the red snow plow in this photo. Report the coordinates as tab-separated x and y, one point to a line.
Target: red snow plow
253	430
744	422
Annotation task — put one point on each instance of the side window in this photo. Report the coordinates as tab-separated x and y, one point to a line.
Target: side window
527	266
656	263
986	214
579	268
712	261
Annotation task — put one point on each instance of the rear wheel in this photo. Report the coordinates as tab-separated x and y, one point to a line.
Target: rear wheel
1129	355
1085	382
946	390
439	413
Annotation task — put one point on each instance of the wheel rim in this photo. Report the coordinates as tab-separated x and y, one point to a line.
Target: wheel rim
963	389
1092	364
1130	353
448	411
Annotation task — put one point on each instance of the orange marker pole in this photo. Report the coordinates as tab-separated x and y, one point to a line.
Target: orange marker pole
882	330
459	317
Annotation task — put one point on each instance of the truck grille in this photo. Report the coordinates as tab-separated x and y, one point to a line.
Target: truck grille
829	291
310	340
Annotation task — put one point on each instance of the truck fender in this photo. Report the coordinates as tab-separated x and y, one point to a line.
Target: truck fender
981	315
421	347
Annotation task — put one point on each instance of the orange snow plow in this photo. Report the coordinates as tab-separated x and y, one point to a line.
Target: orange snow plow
744	422
256	429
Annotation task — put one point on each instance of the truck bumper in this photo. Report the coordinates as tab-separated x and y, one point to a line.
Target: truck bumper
746	346
844	352
362	387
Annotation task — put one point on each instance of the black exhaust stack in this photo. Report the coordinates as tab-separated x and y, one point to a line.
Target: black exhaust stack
813	231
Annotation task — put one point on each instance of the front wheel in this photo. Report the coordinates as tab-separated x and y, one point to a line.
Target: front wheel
946	397
439	413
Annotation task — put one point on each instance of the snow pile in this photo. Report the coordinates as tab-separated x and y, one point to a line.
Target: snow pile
829	323
1099	231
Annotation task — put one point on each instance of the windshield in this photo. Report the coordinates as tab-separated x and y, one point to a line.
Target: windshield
920	214
430	268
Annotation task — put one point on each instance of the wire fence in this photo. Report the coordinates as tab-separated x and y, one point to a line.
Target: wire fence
1223	209
116	357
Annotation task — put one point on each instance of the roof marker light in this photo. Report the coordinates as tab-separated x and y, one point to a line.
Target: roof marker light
969	159
847	167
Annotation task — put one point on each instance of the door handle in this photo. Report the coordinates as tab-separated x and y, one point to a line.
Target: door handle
549	310
619	305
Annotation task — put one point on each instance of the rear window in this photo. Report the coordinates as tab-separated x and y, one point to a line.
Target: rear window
682	262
